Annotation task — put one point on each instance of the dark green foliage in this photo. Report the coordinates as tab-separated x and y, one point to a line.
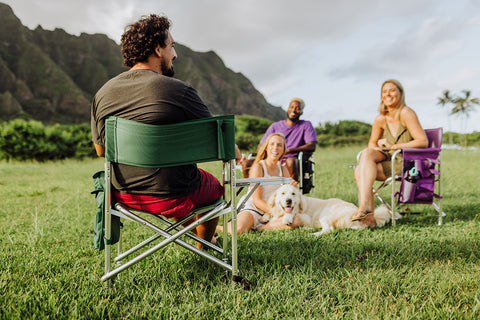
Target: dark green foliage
326	140
249	131
345	132
471	139
26	140
345	128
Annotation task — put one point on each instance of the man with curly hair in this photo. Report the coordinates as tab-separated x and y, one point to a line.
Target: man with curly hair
147	93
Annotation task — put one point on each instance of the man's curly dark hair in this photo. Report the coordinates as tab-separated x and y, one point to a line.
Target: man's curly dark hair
142	37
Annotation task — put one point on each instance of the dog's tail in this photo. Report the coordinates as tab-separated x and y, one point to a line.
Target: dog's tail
382	216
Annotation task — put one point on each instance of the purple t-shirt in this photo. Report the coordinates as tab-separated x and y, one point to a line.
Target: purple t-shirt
295	136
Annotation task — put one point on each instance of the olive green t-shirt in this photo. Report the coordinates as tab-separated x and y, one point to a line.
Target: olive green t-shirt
149	97
403	136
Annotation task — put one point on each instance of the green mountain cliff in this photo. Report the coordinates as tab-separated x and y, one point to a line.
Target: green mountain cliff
51	76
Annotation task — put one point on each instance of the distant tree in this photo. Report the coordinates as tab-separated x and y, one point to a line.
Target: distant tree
461	106
445	100
464	105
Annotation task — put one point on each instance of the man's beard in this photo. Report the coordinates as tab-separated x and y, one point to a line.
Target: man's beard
296	119
166	71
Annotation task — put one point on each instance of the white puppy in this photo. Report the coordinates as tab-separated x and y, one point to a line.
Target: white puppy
330	214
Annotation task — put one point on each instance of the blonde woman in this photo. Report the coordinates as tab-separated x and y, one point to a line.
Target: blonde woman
396	127
266	165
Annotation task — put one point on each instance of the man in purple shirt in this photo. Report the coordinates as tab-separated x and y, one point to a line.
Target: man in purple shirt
299	135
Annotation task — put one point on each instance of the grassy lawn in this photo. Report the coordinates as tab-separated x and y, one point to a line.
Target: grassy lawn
416	270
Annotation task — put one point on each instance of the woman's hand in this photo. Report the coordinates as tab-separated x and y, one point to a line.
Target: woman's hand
396	147
383	143
294	183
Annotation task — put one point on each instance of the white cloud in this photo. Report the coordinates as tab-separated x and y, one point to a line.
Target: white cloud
334	54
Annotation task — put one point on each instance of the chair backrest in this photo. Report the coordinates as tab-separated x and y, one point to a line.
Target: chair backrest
435	137
155	146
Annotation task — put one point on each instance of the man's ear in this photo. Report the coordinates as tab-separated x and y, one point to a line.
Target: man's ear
158	51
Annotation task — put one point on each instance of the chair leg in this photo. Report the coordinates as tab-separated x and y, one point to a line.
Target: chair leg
392	202
169	238
385	203
226	257
233	219
441	214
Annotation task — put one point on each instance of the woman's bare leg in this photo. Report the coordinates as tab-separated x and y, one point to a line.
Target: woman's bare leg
368	171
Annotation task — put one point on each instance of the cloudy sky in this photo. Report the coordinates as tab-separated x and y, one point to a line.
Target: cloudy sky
333	54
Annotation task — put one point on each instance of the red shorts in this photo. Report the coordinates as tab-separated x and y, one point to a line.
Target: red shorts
209	191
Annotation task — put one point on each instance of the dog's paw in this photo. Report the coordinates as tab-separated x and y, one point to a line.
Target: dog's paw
325	230
265	218
288	219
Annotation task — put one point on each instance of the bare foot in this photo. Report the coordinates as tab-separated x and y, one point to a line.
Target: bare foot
369	221
361	215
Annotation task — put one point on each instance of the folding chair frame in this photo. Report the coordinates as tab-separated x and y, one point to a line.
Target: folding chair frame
304	158
395	204
223	148
173	232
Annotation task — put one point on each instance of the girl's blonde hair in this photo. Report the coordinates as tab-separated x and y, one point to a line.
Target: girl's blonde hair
262	151
382	108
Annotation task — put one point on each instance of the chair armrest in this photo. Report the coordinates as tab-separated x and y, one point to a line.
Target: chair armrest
422	150
304	155
358	155
247	182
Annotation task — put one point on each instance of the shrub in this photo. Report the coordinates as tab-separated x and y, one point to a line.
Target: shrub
25	140
249	131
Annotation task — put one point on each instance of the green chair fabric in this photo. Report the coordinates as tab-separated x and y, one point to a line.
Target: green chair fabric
195	141
99	239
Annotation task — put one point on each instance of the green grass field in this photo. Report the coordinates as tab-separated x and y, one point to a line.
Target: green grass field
416	270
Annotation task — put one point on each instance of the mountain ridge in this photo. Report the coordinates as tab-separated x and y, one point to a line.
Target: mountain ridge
52	76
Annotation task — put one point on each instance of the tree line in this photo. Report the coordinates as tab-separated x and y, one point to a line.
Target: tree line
31	140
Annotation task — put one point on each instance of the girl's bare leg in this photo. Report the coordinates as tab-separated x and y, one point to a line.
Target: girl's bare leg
277	224
245	223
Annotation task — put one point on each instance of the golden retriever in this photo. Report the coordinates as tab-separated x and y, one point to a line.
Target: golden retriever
330	214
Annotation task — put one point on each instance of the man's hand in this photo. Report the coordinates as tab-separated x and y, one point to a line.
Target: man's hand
100	150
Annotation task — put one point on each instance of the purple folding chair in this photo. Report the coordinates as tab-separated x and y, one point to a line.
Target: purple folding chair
420	181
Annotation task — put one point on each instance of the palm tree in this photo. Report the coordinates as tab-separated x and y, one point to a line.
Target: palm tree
463	106
443	101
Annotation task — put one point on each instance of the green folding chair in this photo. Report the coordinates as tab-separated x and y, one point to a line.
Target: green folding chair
156	146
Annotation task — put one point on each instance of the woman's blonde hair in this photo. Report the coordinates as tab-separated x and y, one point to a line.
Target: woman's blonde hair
382	108
262	151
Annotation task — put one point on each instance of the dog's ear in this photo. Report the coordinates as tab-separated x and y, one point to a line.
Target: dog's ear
303	203
271	200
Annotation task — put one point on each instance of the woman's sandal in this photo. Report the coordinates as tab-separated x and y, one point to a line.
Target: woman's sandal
361	214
